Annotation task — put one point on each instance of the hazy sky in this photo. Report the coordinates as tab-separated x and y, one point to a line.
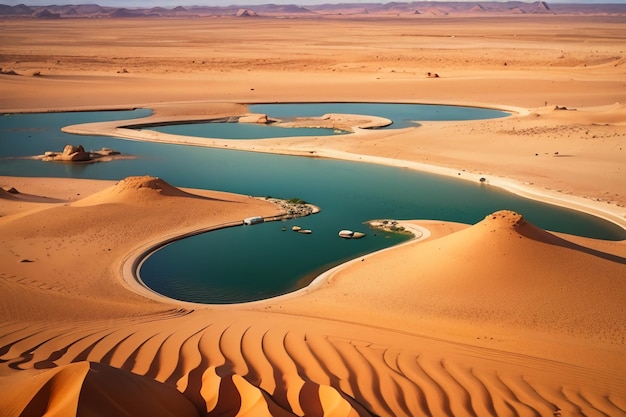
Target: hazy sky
165	3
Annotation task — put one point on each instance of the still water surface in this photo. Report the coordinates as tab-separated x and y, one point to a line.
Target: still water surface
249	263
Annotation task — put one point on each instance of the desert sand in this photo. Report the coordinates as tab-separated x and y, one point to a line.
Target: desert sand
497	318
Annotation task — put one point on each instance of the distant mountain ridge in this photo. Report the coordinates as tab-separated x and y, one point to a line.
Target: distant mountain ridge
418	8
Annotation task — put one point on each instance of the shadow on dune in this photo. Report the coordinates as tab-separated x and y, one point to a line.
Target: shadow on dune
532	232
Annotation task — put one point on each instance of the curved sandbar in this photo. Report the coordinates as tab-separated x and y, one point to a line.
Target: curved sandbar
367	141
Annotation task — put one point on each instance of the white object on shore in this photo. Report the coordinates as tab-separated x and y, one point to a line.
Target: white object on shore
253	220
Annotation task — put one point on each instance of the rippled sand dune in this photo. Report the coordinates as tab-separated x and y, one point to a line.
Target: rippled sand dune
185	363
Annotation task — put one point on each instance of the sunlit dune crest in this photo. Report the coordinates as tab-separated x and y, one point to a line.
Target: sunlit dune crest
135	190
502	272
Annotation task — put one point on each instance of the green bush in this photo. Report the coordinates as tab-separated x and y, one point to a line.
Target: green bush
296	200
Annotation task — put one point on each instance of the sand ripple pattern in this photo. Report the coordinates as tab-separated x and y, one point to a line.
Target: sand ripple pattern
195	363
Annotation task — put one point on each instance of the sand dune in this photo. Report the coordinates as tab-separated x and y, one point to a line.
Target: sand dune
219	363
267	364
501	273
134	190
84	388
43	255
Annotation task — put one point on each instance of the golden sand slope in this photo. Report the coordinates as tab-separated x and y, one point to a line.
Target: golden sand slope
419	329
502	273
494	319
92	235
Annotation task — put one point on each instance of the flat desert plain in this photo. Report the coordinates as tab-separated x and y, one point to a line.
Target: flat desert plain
498	318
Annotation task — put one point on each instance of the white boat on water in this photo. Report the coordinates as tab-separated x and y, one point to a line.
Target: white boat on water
346	234
349	234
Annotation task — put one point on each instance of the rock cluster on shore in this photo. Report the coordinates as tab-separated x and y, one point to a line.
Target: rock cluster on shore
294	208
387	225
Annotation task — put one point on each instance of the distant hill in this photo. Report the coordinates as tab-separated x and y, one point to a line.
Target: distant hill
47	14
19	10
129	13
541	8
416	9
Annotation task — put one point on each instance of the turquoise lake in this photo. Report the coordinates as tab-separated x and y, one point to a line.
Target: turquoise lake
254	262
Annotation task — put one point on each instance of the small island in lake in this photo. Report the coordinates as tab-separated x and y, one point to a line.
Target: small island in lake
78	153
